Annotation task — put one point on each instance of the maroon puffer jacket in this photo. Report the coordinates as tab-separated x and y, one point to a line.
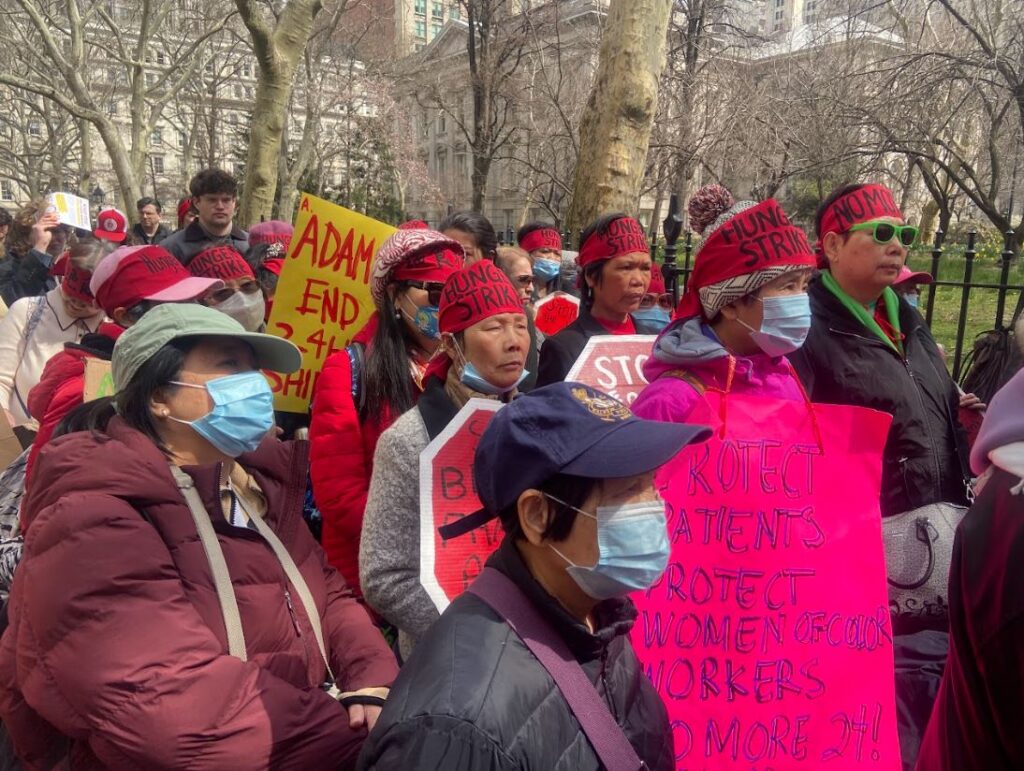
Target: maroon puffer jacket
116	655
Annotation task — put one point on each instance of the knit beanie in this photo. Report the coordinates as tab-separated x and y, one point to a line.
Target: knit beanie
746	245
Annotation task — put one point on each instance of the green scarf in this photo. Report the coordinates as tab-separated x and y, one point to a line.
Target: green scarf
859	312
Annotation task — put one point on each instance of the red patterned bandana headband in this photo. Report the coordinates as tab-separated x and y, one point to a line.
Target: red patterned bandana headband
622	236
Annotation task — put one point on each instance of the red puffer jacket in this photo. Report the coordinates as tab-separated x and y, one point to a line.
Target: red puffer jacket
116	655
341	458
58	391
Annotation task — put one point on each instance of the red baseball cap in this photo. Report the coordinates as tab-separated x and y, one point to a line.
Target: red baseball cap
111	225
918	277
131	274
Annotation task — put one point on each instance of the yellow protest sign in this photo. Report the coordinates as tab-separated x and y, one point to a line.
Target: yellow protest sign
323	295
99	380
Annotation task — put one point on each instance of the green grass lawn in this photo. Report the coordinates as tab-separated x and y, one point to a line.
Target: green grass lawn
981	307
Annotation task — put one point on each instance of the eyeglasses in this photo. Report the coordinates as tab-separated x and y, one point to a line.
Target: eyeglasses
222	295
884	232
663	301
432	288
524	280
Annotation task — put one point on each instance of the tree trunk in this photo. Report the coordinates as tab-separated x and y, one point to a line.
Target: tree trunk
616	127
278	53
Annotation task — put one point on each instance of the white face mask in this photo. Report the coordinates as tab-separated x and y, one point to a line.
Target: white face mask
246	309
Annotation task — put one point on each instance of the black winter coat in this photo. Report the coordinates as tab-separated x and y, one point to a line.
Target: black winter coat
186	243
925	459
559	352
140	235
472	697
27	276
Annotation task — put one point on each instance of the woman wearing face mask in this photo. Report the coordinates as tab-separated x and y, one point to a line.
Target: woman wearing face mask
569	472
36	328
737	321
616	265
544	245
365	388
187	578
241	297
484	344
656	307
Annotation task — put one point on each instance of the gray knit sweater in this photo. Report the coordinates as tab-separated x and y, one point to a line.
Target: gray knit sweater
389	552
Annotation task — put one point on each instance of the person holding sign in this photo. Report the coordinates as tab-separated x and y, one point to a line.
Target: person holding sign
569	472
868	347
484	345
544	245
35	240
193	620
36	328
616	265
740	316
365	388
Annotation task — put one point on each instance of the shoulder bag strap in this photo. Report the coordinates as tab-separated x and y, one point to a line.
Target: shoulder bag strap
297	581
591	711
218	566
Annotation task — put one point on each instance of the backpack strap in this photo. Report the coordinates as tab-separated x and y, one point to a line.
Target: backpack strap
357	363
218	565
591	711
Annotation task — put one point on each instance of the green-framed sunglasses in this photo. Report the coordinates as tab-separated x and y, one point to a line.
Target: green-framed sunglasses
884	232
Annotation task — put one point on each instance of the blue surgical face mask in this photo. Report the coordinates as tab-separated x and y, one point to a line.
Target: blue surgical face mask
633	549
425	320
656	316
913	300
784	325
472	379
546	270
242	414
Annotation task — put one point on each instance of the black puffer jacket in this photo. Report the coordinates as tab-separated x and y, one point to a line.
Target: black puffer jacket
473	698
25	276
841	362
559	352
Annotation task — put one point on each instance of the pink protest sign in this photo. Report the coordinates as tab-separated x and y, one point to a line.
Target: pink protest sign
447	494
768	636
614	364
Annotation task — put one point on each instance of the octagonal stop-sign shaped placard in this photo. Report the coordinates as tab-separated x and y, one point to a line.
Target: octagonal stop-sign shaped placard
447	494
555	312
614	364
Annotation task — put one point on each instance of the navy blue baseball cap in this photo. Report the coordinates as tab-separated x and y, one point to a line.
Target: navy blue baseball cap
565	428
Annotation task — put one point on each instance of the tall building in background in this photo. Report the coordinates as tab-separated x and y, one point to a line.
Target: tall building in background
417	22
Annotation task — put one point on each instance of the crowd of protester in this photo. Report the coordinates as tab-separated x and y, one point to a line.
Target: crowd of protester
188	583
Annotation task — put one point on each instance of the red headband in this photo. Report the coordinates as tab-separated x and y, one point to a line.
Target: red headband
222	262
862	205
750	241
545	238
76	284
478	292
622	236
